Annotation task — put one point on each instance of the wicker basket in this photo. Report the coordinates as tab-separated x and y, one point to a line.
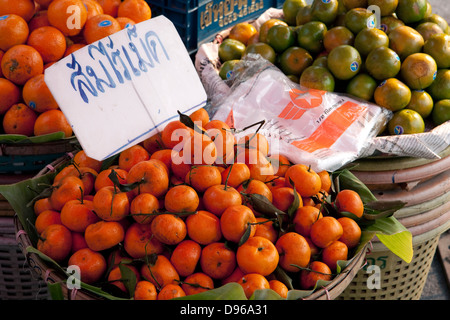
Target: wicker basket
17	280
45	272
21	161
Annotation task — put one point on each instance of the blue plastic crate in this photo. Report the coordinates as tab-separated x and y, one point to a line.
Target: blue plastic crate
198	21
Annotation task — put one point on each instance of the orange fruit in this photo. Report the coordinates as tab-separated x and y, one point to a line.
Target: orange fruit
234	222
152	175
81	159
142	208
56	242
49	42
13	30
253	281
257	255
52	121
99	27
136	10
19	119
293	250
197	283
351	232
307	182
103	235
199	149
202	177
325	231
200	115
61	16
170	291
139	241
185	257
20	63
92	264
279	287
181	198
217	260
242	32
111	204
77	215
145	290
266	229
68	188
115	276
283	197
168	228
23	8
235	174
318	271
304	218
203	227
103	179
39	19
72	48
331	254
132	155
110	6
125	22
219	197
93	8
10	94
160	271
349	201
37	95
46	218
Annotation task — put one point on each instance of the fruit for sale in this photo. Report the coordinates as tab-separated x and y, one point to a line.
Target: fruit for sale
406	121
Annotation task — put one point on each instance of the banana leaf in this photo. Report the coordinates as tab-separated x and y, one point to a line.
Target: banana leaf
392	233
18	138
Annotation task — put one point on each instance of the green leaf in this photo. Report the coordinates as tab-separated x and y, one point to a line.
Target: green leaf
128	278
265	294
347	180
246	235
295	204
55	291
229	291
394	236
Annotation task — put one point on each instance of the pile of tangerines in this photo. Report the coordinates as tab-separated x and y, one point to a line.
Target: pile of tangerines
180	227
34	34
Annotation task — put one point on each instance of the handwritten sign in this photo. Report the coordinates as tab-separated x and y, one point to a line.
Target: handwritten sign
124	88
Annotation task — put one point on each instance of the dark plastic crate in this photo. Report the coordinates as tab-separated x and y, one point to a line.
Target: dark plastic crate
198	21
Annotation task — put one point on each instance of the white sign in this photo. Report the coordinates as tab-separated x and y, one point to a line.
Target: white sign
124	88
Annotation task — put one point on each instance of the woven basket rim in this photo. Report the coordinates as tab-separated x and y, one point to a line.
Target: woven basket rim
329	292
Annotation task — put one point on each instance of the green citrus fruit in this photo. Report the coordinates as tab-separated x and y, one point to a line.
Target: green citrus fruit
325	10
319	78
290	8
265	27
418	70
439	20
387	7
383	63
438	46
304	15
441	111
231	49
293	78
294	60
370	38
405	41
321	61
362	86
406	121
392	94
389	23
337	36
262	49
427	29
350	4
280	37
440	88
310	36
357	19
410	11
421	102
344	62
226	69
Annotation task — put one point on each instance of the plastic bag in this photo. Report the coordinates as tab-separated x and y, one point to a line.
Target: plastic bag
323	129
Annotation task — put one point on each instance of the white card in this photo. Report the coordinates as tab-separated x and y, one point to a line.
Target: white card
124	88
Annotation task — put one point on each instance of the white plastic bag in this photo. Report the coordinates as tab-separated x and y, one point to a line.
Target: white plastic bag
323	129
